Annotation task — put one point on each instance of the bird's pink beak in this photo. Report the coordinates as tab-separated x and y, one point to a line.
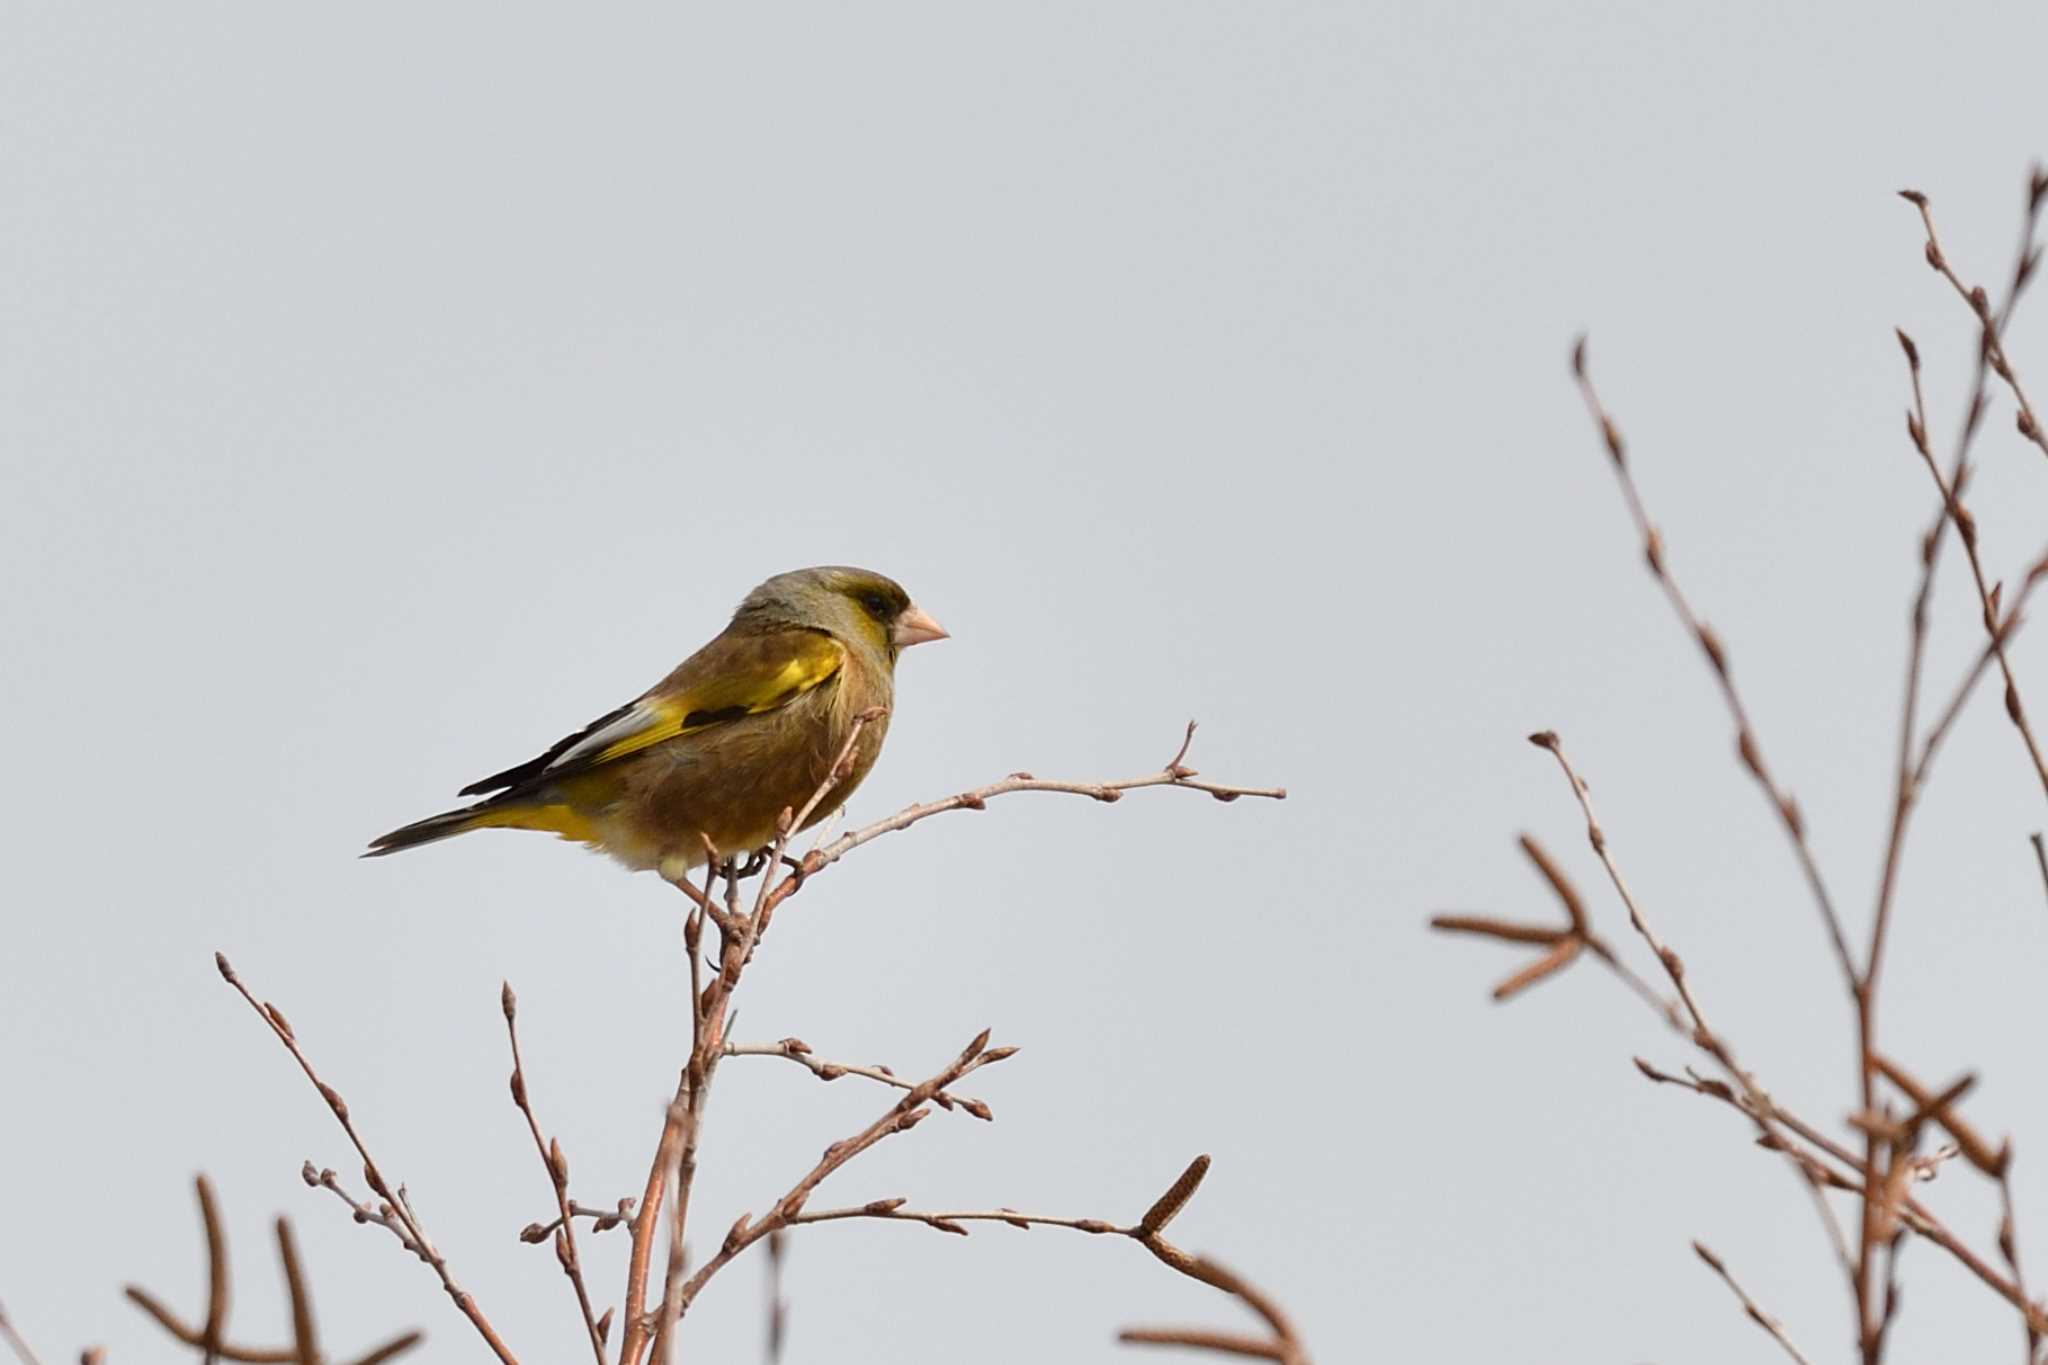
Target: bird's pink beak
914	627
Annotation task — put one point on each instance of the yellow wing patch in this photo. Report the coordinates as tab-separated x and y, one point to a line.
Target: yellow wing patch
744	691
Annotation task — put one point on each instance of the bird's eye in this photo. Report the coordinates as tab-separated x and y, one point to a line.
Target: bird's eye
875	604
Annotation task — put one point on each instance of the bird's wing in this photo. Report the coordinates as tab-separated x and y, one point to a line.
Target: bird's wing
733	676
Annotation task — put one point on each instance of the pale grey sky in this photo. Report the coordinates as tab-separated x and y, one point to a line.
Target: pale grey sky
388	389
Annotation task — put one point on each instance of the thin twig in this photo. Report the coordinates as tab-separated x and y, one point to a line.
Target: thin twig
209	1337
900	1117
394	1196
669	1312
777	1333
305	1341
601	1220
1987	593
796	1050
1749	1305
2009	1247
740	932
1874	1320
557	1166
1761	1109
383	1216
2027	421
16	1342
1204	1339
1748	748
822	858
1284	1343
1914	1214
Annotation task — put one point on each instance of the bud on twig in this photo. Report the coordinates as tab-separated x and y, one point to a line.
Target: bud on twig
1168	1206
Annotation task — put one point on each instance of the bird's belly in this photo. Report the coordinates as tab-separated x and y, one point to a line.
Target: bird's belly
728	786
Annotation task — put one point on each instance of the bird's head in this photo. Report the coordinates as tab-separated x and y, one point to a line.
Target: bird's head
859	606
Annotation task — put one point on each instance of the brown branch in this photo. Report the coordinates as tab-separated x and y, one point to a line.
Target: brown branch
1979	303
1916	1216
1749	1305
601	1220
1202	1339
740	932
2009	1248
669	1312
208	1338
900	1117
1693	1024
823	857
1564	942
216	1270
395	1197
1931	542
383	1216
1937	1106
1975	674
798	1051
305	1341
195	1337
557	1164
1284	1343
893	1210
16	1342
1874	1321
1748	748
669	1157
1987	593
777	1333
675	1156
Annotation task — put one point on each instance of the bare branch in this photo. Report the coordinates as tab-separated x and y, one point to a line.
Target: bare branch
209	1337
2028	422
740	933
557	1166
1284	1343
1748	748
900	1117
395	1196
1749	1306
22	1350
796	1050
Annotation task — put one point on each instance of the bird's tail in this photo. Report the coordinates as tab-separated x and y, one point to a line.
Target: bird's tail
494	814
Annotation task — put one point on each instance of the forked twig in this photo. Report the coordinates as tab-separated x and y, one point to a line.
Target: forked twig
394	1196
798	1051
209	1338
905	1114
1283	1342
1747	747
740	932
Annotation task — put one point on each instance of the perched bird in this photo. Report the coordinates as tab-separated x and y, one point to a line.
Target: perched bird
743	729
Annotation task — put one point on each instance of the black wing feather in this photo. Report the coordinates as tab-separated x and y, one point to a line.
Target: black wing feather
534	767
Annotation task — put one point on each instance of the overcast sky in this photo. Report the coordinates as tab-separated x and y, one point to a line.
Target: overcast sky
387	389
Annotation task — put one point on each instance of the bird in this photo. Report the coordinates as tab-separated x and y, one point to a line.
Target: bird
745	728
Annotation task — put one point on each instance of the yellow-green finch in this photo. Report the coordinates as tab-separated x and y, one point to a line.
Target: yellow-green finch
743	729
